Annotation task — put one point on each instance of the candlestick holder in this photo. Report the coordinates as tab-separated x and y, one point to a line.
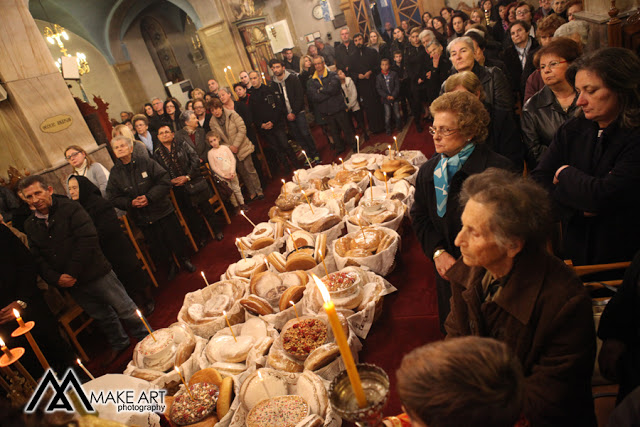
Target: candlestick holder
25	329
375	383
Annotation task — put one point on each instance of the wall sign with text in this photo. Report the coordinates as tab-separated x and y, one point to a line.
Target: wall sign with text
56	123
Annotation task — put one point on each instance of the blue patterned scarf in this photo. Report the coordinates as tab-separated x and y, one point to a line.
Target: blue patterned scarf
446	168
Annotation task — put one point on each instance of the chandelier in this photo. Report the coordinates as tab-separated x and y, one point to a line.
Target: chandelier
56	36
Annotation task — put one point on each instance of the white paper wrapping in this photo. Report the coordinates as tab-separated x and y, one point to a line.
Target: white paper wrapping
317	172
394	224
415	157
360	322
209	328
240	412
276	246
373	161
115	382
381	263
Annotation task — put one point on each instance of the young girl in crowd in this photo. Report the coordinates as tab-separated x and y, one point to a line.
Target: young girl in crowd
223	164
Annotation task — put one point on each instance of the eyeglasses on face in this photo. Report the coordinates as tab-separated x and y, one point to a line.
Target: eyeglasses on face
164	132
522	12
71	156
552	65
442	131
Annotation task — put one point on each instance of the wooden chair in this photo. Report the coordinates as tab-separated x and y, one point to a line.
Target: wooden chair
263	159
137	240
183	222
216	201
72	327
584	270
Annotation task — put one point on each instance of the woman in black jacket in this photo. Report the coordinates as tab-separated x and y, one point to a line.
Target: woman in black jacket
459	131
114	244
545	111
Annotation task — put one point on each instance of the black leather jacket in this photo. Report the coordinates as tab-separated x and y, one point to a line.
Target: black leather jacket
140	177
541	118
327	96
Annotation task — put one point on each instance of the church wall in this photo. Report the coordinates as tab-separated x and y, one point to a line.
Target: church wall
100	81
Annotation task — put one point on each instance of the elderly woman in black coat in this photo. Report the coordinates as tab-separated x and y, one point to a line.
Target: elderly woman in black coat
592	167
459	131
114	244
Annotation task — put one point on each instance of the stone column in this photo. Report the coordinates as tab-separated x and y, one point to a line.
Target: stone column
40	117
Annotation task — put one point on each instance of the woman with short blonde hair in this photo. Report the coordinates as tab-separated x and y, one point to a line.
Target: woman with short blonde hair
84	165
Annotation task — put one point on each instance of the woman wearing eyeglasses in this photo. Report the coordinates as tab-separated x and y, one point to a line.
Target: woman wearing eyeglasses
545	111
459	131
83	165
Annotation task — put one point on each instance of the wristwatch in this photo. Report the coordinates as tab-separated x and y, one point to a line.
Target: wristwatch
438	252
22	304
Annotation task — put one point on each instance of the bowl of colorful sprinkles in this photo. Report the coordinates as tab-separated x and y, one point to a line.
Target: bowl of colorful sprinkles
281	411
304	336
195	405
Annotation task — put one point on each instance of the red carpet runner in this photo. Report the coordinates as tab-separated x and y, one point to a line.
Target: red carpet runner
409	318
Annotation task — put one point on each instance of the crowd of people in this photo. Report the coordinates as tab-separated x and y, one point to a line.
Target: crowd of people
506	90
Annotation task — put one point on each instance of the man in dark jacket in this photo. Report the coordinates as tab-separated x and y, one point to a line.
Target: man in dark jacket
141	187
418	64
191	190
290	89
65	245
327	51
19	290
364	66
325	91
291	62
344	50
268	111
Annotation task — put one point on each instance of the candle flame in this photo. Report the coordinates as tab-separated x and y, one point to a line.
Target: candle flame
2	344
224	313
138	313
303	152
177	369
242	213
260	375
203	276
292	303
16	313
395	139
78	362
340	158
385	174
282	181
322	288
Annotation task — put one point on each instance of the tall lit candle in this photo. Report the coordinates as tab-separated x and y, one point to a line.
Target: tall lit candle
5	349
226	77
295	309
295	176
364	236
224	313
18	318
205	278
389	147
263	385
284	187
247	218
307	199
232	75
305	156
386	184
145	324
371	185
184	382
13	359
340	158
295	246
343	344
263	79
358	143
396	142
86	371
323	263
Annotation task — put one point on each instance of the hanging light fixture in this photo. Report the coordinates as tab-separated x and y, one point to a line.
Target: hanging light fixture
56	35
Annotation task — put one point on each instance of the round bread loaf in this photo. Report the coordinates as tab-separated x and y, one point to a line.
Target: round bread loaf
277	261
294	293
262	242
263	229
225	397
195	406
301	336
300	238
281	411
256	305
370	240
227	369
310	387
206	375
300	261
268	286
322	356
287	202
255	327
279	360
224	348
253	389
